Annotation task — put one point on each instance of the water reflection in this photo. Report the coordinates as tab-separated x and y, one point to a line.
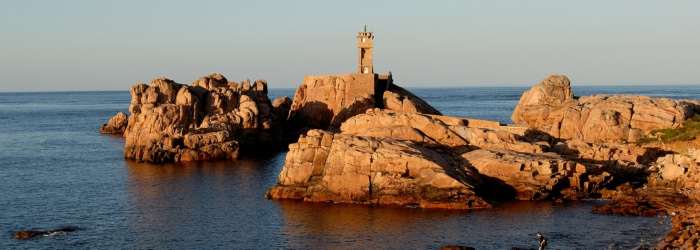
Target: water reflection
199	204
511	224
221	204
350	226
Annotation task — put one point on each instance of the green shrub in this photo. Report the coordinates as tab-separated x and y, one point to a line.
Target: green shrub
689	130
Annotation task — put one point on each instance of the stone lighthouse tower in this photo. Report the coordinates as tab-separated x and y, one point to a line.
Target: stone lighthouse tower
364	47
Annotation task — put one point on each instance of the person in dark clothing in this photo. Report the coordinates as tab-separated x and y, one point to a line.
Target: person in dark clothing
543	241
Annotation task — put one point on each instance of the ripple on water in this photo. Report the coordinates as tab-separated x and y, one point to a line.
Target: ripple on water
55	170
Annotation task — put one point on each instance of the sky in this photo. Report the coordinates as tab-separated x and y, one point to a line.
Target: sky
86	45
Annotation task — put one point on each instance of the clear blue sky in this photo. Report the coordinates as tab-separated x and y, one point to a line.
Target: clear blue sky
111	45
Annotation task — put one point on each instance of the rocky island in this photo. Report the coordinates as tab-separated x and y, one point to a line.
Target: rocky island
407	158
211	118
360	138
561	148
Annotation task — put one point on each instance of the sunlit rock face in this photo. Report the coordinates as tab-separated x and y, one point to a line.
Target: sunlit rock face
116	124
410	159
326	101
211	118
551	107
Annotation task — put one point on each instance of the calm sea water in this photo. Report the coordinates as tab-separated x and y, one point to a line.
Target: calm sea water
56	170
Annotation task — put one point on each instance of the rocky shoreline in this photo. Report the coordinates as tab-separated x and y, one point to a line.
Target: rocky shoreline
370	145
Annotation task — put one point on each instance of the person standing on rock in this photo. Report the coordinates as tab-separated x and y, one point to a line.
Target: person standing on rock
543	241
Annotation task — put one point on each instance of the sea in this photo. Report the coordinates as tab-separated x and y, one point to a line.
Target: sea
57	171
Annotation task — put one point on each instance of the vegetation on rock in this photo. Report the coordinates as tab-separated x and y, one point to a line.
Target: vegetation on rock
689	131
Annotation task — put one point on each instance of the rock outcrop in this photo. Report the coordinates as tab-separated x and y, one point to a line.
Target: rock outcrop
365	140
672	188
328	167
406	159
116	124
210	119
551	107
325	102
643	181
400	99
213	118
567	147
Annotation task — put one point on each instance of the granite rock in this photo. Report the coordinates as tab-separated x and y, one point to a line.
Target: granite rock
550	107
211	118
116	125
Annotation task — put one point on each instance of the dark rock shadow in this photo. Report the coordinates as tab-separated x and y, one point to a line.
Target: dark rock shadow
28	234
315	115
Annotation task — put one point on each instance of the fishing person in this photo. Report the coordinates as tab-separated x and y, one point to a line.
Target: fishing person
542	240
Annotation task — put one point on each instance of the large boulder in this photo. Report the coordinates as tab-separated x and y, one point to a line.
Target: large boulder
677	171
327	167
210	119
554	88
550	107
406	158
525	176
399	99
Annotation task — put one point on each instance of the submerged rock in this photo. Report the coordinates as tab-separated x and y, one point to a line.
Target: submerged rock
27	234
